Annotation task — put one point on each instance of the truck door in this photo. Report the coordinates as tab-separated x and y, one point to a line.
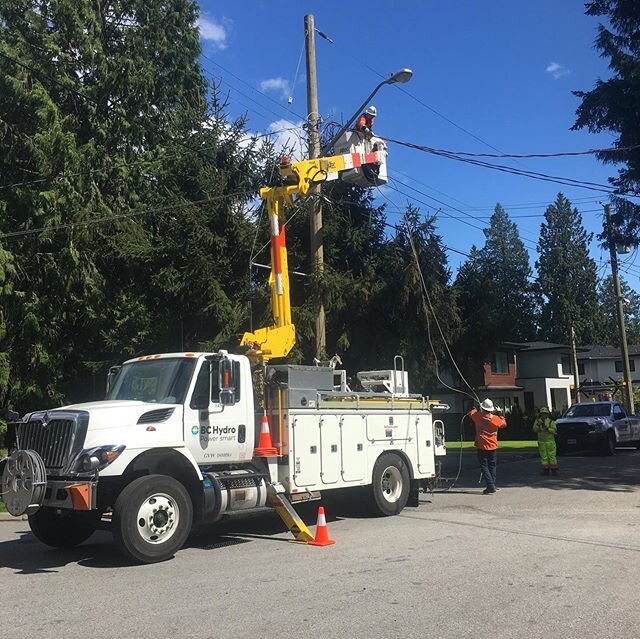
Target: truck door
621	423
217	434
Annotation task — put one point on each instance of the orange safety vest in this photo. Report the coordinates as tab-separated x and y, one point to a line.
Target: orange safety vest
486	429
365	121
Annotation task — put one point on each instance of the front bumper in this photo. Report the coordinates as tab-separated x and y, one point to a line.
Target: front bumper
74	495
593	439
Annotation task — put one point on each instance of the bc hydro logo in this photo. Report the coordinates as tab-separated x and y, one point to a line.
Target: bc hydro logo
195	430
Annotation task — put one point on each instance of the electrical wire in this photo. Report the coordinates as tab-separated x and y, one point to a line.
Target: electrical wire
112	218
527	155
535	175
428	298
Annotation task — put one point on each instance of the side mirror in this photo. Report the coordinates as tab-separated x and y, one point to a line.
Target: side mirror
111	375
227	382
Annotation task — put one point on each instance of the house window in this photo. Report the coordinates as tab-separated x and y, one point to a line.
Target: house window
565	362
632	365
499	363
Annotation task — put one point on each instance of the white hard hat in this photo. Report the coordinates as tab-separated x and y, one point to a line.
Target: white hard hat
372	111
487	405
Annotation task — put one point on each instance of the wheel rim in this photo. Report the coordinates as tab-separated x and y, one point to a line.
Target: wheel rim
158	518
391	484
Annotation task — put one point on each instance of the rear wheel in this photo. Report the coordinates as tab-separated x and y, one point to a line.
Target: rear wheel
152	518
63	528
391	485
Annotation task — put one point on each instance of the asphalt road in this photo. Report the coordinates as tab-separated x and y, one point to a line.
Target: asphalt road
541	558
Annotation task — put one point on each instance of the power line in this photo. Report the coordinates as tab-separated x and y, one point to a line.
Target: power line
532	155
416	99
584	184
121	216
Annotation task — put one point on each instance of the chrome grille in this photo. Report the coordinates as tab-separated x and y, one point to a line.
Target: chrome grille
574	429
55	438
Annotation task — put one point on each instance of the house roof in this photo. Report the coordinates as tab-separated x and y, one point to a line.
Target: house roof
540	346
594	351
498	387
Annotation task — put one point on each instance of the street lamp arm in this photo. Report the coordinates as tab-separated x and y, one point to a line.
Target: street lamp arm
402	76
346	126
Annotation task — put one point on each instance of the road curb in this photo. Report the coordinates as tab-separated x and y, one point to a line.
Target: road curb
8	517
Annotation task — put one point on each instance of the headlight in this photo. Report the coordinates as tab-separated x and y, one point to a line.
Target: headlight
92	459
600	424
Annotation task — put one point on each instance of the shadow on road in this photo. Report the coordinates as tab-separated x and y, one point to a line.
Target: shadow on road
25	555
618	473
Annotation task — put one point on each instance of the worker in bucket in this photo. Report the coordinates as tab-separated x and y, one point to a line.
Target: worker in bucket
487	424
364	123
546	429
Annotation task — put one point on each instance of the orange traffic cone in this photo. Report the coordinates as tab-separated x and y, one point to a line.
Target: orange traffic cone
322	531
265	446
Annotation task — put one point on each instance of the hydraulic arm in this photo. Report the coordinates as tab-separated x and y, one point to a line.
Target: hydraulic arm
278	339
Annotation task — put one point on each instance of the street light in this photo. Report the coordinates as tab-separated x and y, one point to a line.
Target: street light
399	77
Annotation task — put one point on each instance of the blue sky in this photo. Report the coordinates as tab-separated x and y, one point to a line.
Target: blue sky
487	74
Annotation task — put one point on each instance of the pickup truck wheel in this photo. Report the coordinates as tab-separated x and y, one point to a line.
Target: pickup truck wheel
152	518
391	485
63	528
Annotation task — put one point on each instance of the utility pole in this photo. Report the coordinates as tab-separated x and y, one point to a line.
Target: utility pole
620	311
313	114
574	365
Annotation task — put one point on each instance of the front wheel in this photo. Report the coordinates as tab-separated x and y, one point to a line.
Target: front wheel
391	485
152	518
63	528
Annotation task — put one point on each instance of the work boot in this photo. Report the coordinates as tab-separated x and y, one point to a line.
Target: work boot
545	471
489	490
554	471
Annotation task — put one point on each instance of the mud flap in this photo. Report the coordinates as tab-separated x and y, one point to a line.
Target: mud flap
413	501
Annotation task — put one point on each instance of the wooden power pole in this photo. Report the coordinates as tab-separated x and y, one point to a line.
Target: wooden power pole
620	312
574	365
317	251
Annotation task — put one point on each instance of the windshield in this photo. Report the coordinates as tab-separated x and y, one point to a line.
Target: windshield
163	381
589	410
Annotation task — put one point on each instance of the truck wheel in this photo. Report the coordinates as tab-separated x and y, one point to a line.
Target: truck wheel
391	485
64	528
152	518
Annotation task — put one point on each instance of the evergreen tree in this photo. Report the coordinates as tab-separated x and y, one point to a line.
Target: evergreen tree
567	277
606	295
107	140
612	105
495	293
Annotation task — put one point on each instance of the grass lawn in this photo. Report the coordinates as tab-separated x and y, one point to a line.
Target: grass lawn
521	446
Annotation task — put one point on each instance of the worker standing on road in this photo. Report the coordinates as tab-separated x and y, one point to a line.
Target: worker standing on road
546	429
487	425
364	123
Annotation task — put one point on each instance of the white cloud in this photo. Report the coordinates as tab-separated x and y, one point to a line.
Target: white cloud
285	135
557	70
278	85
213	32
290	137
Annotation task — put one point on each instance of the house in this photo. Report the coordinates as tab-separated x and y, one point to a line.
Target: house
601	367
526	375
